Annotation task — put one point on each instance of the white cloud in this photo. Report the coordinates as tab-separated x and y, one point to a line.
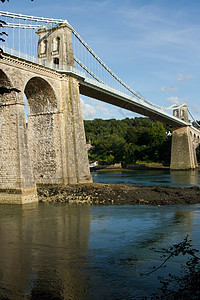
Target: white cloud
104	108
176	100
97	109
169	89
88	110
184	78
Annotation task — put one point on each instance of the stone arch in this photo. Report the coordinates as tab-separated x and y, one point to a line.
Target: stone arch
43	131
40	95
6	82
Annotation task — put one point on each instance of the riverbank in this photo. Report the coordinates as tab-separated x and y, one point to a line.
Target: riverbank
119	194
129	167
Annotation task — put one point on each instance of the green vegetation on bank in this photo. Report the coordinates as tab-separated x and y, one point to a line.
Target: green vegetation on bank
128	141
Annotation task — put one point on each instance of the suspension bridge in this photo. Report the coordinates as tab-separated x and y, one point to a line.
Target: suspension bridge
48	61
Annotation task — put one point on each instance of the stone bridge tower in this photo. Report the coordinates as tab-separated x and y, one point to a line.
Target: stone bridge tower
51	149
55	46
185	141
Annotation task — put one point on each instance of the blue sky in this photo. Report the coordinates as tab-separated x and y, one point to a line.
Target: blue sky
153	46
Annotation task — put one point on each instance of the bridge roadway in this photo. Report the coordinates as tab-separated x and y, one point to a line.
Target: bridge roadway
90	88
94	89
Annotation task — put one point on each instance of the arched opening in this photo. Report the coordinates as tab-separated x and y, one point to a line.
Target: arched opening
44	47
182	114
175	113
40	95
43	130
56	44
6	83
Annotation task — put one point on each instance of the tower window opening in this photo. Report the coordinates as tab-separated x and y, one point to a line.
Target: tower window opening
56	61
44	47
56	44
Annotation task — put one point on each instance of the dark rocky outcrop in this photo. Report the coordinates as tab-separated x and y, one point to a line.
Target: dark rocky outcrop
99	193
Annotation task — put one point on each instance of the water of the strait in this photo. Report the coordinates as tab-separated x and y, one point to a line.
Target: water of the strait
63	251
163	177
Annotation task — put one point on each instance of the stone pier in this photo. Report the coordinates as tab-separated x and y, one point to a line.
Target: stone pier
185	141
17	184
51	147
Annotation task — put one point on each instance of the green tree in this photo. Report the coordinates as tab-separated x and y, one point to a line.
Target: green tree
128	140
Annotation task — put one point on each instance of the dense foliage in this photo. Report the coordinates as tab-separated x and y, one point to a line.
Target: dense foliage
128	141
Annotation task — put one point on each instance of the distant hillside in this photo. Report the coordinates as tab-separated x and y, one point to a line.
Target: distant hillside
128	141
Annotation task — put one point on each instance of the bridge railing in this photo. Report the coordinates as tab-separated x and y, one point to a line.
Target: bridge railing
42	62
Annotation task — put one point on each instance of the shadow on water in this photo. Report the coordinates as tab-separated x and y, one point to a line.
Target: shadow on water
39	249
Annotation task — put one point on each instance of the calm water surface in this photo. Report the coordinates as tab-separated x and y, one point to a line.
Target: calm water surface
54	251
149	177
63	251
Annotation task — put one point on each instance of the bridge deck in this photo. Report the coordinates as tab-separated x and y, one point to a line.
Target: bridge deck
91	88
103	93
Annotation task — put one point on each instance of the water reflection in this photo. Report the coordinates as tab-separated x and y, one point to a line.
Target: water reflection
61	251
39	249
190	177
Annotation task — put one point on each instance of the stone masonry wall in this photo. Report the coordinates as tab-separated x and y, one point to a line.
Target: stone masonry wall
183	151
17	184
57	146
45	148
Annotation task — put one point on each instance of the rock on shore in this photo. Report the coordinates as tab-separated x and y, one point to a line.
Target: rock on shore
99	193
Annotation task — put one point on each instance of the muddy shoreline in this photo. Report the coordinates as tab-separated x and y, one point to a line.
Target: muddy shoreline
118	194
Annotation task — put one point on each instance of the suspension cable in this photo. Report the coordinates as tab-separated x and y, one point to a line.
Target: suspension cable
53	21
193	119
87	70
36	19
23	26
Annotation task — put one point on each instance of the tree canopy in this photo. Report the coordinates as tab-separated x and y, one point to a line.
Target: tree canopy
128	140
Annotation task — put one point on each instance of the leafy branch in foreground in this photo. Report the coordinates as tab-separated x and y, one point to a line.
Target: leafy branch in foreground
185	286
